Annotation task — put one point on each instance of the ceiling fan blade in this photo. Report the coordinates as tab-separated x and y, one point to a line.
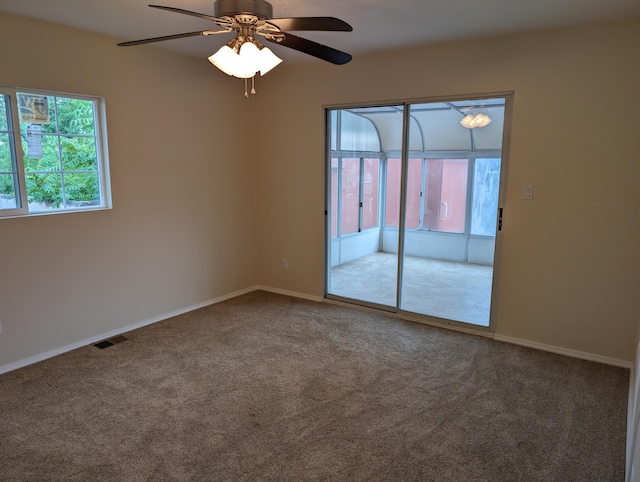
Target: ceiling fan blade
313	48
186	12
311	23
159	39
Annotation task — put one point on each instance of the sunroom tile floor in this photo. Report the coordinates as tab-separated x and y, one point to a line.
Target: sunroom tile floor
442	289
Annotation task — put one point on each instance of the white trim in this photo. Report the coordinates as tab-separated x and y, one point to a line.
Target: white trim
470	331
294	294
507	339
565	351
94	339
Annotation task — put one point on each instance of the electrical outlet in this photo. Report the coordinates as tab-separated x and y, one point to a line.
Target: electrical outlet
527	192
285	264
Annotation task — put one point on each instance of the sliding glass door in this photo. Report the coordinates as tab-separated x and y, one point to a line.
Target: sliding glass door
413	198
357	268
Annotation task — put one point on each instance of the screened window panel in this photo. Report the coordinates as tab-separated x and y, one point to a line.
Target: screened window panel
392	199
334	197
333	119
6	160
350	195
61	157
446	195
486	183
4	125
414	194
9	193
370	187
414	183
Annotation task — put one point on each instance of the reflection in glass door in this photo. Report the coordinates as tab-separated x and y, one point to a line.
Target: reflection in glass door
412	208
358	268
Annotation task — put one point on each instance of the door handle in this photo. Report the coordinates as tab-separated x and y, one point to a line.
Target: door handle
446	211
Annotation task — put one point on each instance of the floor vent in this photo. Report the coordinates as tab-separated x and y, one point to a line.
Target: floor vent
110	342
103	344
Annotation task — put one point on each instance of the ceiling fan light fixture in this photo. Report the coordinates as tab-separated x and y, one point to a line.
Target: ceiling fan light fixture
244	56
269	60
473	121
249	61
246	61
226	59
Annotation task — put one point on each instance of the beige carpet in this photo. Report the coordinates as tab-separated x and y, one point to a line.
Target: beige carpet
266	387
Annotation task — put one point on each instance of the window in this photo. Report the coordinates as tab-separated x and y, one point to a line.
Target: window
51	153
438	188
355	174
370	184
355	203
334	196
350	196
486	182
446	195
414	193
452	173
8	171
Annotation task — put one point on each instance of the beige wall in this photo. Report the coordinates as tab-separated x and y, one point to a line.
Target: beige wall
178	233
200	213
570	266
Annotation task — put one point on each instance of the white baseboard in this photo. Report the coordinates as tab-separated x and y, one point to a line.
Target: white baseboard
507	339
294	294
94	339
565	351
89	341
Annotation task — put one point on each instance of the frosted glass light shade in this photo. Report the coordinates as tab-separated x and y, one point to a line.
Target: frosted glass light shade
247	62
471	121
269	60
250	61
226	60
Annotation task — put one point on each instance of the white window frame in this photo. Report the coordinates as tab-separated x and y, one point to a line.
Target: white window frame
101	154
361	155
470	156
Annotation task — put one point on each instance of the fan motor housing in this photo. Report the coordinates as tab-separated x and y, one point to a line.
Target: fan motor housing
231	8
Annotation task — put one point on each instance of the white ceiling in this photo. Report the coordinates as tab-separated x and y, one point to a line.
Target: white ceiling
377	24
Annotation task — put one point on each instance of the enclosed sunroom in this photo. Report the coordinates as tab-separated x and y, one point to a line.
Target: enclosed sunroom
413	206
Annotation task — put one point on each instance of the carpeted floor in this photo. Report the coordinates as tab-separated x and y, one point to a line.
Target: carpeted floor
267	387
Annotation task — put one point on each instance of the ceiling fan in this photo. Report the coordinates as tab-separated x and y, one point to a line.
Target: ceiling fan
244	56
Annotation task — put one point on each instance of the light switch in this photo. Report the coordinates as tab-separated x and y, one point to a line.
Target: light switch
527	192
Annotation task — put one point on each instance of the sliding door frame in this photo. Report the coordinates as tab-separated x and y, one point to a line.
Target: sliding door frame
508	97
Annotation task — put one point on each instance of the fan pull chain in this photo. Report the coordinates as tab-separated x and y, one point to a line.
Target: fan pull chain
246	94
253	84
